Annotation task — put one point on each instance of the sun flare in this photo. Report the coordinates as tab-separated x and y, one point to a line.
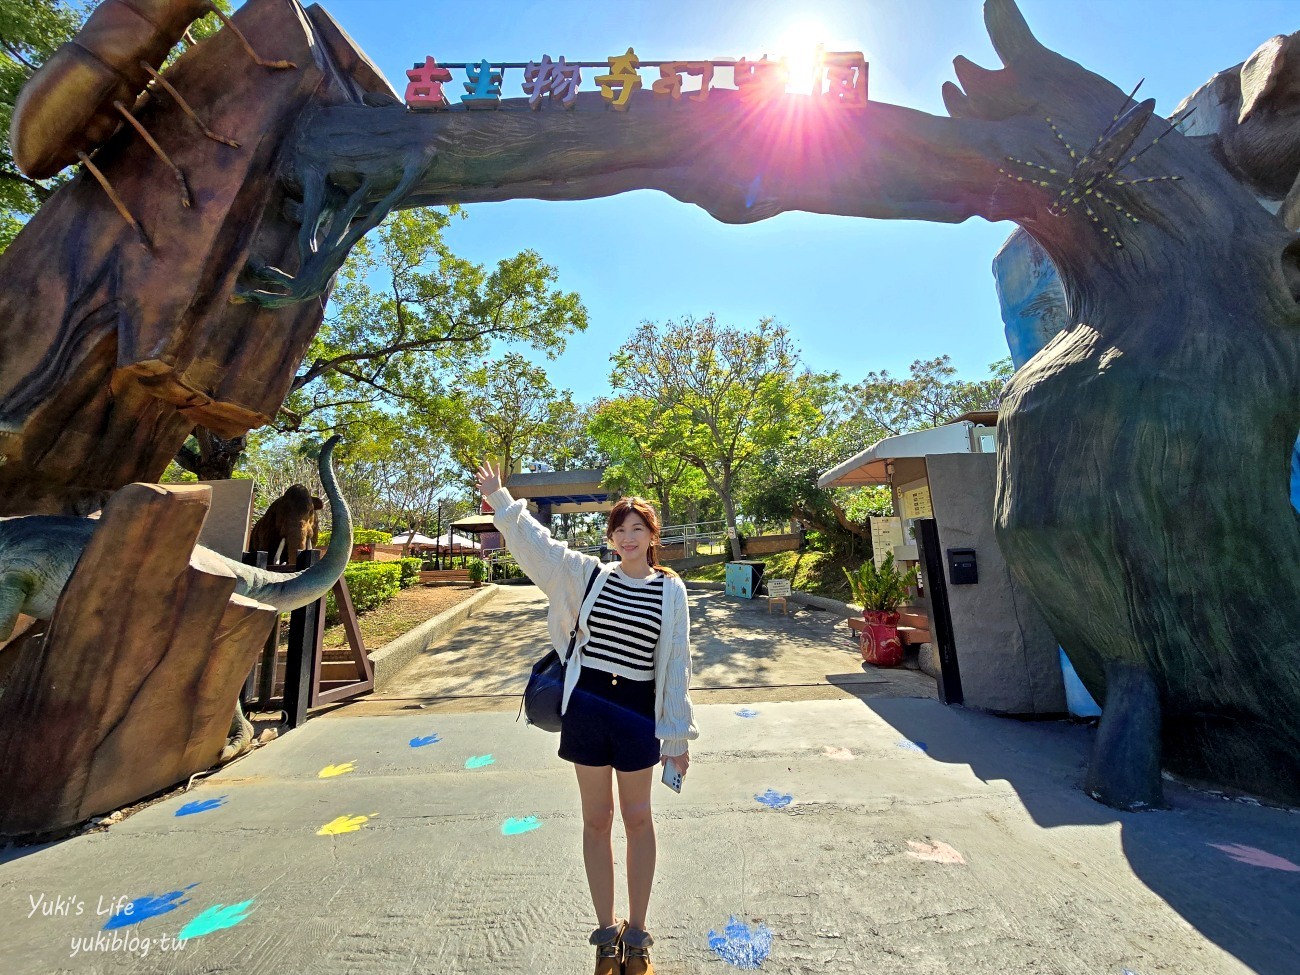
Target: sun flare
801	47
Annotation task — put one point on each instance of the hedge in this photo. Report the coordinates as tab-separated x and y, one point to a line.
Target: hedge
410	571
360	536
370	584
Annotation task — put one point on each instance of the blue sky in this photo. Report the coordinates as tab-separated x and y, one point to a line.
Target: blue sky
859	295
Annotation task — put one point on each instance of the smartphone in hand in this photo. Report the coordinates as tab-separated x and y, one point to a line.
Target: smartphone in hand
672	778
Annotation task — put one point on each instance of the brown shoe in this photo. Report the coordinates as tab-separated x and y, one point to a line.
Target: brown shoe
636	952
608	949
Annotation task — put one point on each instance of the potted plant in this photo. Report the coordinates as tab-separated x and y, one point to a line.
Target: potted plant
880	591
478	572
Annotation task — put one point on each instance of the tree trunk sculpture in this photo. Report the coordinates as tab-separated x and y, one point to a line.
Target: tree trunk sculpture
91	720
1143	455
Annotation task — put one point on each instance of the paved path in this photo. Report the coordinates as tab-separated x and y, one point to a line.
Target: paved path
1051	883
868	834
736	647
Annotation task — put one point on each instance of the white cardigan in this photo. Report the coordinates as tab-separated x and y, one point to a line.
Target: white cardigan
562	574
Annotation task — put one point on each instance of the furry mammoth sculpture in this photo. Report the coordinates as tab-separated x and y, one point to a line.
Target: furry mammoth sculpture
1248	116
290	521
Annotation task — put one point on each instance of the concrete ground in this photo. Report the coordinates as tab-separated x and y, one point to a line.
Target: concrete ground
737	648
865	833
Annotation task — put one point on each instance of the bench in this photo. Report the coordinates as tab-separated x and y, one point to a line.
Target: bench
778	590
444	575
913	628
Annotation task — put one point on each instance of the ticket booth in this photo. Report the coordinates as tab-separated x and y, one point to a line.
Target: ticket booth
998	648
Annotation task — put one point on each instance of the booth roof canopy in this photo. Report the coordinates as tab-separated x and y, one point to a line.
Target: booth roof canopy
580	487
872	465
444	540
415	538
478	524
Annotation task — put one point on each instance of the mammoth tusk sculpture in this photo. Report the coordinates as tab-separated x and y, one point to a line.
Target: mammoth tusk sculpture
1144	454
39	552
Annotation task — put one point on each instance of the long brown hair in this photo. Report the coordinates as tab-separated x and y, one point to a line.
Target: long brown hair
645	510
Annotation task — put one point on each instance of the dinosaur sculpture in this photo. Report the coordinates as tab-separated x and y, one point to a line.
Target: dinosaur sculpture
39	552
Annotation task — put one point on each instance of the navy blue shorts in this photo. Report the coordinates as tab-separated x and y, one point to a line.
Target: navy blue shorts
610	723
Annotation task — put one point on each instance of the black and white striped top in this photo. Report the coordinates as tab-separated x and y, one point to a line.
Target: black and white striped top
624	624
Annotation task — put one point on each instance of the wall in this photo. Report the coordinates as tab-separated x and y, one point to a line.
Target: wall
1006	654
225	529
768	544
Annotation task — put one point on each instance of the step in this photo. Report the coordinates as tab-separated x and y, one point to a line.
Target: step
910	617
913	636
907	635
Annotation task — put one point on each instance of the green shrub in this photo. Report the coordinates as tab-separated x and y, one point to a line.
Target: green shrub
410	572
477	570
880	589
505	567
361	536
370	584
819	541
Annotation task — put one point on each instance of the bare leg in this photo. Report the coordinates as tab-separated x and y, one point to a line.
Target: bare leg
597	787
638	821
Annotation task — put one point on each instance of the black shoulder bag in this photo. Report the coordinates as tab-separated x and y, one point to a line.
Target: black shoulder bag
545	691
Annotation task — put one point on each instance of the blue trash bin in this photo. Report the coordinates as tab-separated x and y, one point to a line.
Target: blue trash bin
744	578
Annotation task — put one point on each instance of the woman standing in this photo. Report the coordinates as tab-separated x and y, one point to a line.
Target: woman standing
626	704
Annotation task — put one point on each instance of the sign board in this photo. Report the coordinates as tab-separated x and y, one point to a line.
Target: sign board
916	503
839	79
886	533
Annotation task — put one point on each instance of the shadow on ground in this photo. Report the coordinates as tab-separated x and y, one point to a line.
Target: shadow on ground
1250	910
735	645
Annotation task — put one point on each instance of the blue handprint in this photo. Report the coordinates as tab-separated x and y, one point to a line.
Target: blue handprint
513	827
775	799
740	946
426	740
150	905
201	805
746	713
215	918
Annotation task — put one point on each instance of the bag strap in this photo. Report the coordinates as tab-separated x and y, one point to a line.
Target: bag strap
573	638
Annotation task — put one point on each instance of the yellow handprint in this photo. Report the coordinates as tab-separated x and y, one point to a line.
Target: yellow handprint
343	824
331	770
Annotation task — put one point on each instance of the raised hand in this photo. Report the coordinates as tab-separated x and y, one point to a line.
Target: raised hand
489	478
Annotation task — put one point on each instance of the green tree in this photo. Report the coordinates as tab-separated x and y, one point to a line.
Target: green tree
639	441
408	320
731	394
568	443
784	483
505	410
409	315
929	397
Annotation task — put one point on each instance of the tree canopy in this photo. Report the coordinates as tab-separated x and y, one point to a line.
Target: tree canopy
724	394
